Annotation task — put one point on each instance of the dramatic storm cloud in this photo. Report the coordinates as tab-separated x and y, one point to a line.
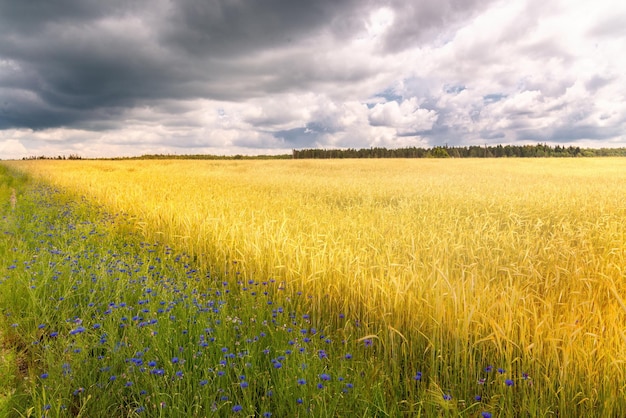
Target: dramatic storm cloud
129	77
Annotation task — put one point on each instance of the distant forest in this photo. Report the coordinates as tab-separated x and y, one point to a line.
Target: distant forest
498	151
487	151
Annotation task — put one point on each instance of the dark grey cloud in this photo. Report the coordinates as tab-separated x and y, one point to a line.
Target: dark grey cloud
78	56
421	22
227	28
298	137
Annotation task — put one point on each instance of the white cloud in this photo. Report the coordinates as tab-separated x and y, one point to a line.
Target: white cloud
12	149
406	117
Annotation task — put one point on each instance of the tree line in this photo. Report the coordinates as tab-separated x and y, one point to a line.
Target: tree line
472	151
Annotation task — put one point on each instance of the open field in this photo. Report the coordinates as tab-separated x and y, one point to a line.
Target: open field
501	282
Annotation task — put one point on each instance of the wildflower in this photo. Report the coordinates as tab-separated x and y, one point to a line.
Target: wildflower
301	382
77	330
322	354
418	376
44	375
237	408
325	376
501	371
486	415
368	342
243	385
509	382
447	397
267	414
348	356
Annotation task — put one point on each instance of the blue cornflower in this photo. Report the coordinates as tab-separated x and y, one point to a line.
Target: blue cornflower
322	354
348	356
486	415
509	382
243	385
267	414
368	342
325	376
237	408
77	330
44	375
447	397
301	382
501	370
418	376
174	360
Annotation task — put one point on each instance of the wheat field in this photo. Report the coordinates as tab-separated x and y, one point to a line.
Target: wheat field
458	265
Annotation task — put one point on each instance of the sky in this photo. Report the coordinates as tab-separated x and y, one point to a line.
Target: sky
130	77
